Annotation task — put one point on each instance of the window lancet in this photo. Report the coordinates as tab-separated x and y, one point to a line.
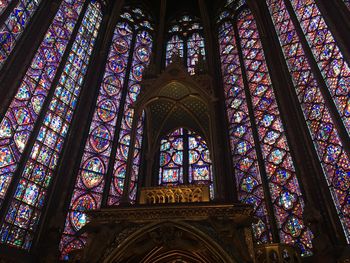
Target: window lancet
186	41
248	177
14	25
335	70
175	46
328	145
171	159
95	160
278	168
195	48
110	127
183	152
23	112
25	209
141	58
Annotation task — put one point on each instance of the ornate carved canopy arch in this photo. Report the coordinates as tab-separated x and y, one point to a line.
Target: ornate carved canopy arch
175	99
174	256
169	240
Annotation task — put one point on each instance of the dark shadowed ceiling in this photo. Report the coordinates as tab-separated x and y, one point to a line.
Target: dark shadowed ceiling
175	7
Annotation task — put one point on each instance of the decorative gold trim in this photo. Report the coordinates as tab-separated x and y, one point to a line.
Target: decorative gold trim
175	194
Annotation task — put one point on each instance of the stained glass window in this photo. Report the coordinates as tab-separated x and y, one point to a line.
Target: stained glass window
140	59
284	188
334	68
171	158
119	88
186	41
93	168
248	178
24	213
15	25
256	95
200	166
184	158
175	46
195	48
323	131
4	4
22	114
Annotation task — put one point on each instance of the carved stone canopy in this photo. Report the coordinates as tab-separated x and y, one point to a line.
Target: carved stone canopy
176	99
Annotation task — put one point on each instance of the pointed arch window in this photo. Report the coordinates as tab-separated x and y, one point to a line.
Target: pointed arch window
186	41
26	205
15	24
110	127
321	49
184	159
263	164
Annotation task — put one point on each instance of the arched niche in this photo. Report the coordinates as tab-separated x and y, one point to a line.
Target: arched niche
171	100
168	240
176	104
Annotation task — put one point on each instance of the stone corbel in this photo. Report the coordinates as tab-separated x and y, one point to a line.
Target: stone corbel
235	235
100	236
324	251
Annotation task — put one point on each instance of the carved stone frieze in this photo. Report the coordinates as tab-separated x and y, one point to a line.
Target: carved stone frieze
179	226
174	194
240	213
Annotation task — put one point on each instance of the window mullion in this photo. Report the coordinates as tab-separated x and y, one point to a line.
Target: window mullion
185	42
185	160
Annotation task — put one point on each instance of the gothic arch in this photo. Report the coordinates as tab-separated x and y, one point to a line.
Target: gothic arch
176	99
169	240
175	91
